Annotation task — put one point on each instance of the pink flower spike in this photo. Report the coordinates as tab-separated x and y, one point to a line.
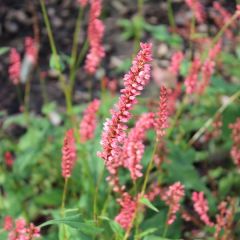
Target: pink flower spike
172	198
8	223
197	9
15	66
235	151
31	50
176	61
8	159
201	207
192	78
95	35
162	115
134	146
114	135
89	121
128	208
69	154
83	3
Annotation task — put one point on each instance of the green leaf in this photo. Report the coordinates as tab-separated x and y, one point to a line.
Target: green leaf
54	63
146	202
76	222
147	232
116	228
4	50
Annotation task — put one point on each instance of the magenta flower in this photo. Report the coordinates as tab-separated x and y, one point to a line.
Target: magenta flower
197	9
31	50
201	207
89	121
162	116
176	61
8	223
95	35
15	66
22	231
128	208
114	135
172	198
192	77
69	154
134	145
235	151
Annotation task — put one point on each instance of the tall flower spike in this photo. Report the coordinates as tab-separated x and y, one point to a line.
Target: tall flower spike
31	50
208	67
235	151
176	61
197	9
95	35
162	115
192	77
68	154
134	146
172	198
128	208
113	135
201	207
8	223
89	121
15	66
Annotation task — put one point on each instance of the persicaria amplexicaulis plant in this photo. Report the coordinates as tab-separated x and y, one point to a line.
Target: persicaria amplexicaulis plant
144	159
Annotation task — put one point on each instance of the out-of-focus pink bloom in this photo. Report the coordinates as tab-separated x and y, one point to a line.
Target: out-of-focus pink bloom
23	232
186	216
155	190
8	159
224	219
225	15
128	208
201	207
31	50
192	78
134	146
208	67
113	135
197	9
173	96
207	71
83	3
176	61
15	66
33	231
172	198
214	52
235	151
89	121
162	116
69	154
8	223
95	35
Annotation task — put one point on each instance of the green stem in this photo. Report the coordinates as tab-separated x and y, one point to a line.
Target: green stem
64	197
170	14
27	98
63	206
95	209
82	53
177	115
75	48
208	123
